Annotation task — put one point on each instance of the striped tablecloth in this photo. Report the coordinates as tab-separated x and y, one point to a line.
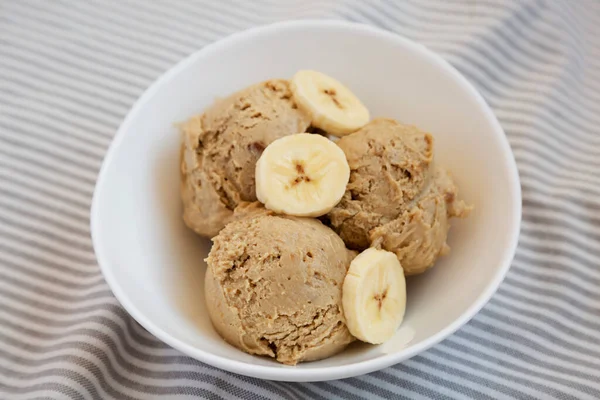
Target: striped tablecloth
69	72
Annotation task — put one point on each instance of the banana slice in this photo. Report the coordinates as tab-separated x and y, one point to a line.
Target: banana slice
374	296
303	175
332	106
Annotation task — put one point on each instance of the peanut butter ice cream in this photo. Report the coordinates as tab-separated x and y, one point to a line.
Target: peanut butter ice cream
221	148
397	199
274	286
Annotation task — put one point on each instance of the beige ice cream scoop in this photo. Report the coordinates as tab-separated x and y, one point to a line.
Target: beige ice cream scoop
273	286
221	147
397	199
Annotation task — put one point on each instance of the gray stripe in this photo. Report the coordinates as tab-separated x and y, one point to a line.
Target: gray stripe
59	158
539	304
547	279
23	79
26	199
62	388
77	113
552	293
42	87
128	382
55	195
45	278
45	24
51	119
539	333
556	152
565	372
476	379
554	142
556	324
52	21
60	251
80	190
544	390
75	272
532	171
572	271
19	213
82	364
127	332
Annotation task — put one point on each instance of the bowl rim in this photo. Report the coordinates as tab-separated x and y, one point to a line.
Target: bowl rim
307	374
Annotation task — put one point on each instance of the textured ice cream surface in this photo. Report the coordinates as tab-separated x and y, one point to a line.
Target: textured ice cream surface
396	198
221	146
273	287
418	234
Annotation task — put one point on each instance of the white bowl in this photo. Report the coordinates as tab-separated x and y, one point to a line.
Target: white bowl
154	264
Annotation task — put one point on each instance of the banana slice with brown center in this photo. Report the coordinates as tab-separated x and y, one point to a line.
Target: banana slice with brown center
302	175
374	296
332	106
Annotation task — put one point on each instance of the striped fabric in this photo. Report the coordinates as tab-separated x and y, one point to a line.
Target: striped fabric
69	72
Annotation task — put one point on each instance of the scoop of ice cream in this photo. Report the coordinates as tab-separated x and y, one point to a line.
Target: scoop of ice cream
273	287
396	199
221	147
418	235
389	165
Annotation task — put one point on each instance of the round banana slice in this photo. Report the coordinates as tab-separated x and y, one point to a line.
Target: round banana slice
332	106
303	175
374	296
